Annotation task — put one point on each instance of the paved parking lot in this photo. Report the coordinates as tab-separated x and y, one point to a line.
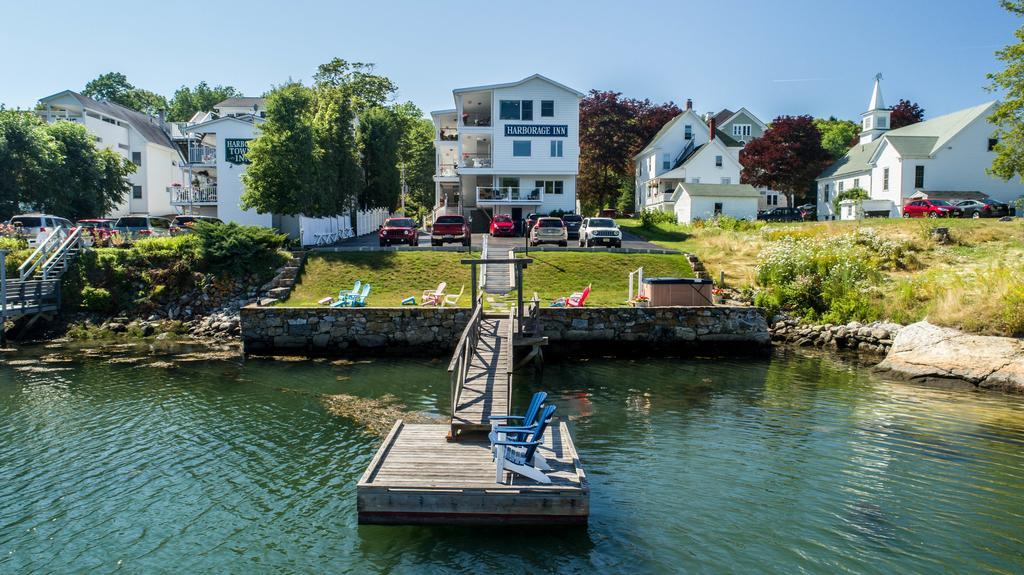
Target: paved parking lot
370	241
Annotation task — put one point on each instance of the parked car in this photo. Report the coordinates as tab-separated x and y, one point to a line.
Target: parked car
183	224
450	229
600	232
99	230
531	220
986	208
781	215
137	227
549	231
572	225
503	225
399	231
809	212
931	209
36	227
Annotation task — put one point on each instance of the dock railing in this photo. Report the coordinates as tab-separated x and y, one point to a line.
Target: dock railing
458	368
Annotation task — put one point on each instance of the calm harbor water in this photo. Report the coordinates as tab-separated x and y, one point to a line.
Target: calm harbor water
782	464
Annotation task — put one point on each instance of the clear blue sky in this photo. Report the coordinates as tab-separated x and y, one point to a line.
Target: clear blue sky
774	57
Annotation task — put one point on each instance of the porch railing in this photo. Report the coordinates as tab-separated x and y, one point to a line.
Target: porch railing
476	119
492	194
477	161
446	170
193	195
202	155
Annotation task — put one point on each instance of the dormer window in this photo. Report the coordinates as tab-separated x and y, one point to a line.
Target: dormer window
688	132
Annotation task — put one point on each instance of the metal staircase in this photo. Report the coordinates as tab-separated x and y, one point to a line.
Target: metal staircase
684	155
36	290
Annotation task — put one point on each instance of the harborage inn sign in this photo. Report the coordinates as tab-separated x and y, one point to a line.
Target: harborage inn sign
235	150
538	130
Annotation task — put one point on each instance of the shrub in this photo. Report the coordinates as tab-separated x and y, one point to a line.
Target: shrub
96	299
1013	311
234	249
12	244
651	218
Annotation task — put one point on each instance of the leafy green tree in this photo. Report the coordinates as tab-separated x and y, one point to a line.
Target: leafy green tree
280	179
338	176
1008	115
187	101
367	90
114	86
416	154
857	194
57	168
837	136
379	135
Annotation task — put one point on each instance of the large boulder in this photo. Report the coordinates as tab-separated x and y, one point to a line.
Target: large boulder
924	351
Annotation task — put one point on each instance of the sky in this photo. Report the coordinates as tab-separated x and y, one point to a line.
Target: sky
774	57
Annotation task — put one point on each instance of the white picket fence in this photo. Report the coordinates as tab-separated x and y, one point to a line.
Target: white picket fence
328	231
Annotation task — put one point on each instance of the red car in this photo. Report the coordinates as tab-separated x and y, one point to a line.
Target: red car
502	225
399	231
931	209
450	229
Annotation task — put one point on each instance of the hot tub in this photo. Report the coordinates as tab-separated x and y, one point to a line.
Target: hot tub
677	291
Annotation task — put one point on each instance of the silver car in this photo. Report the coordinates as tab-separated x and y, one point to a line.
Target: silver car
549	231
36	227
138	227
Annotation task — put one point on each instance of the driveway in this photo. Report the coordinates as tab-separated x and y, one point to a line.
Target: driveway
628	241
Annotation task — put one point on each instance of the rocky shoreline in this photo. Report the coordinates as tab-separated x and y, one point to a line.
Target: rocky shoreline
875	337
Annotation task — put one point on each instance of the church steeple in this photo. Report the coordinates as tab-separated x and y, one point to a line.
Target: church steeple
875	121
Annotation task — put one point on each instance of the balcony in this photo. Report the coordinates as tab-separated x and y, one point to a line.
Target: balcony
448	135
492	195
202	155
476	120
477	161
447	171
194	196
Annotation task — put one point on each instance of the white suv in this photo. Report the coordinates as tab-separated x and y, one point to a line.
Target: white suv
600	232
36	227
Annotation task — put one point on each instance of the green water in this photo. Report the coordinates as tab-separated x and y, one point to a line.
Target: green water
778	465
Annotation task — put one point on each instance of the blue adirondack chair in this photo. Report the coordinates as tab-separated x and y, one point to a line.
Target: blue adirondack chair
523	424
360	300
521	457
344	296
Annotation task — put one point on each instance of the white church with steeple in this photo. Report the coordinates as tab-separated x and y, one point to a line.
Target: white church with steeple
943	158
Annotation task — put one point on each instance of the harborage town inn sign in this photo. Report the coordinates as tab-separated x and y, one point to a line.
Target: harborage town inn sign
539	130
235	150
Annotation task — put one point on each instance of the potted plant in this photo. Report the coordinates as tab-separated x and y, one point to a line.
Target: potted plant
641	301
717	296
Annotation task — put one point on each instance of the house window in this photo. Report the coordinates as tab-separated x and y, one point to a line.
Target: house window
547	108
718	161
527	106
992	143
695	180
718	209
136	192
773	200
726	180
510	110
840	189
521	148
885	180
665	162
856	182
881	122
137	158
826	192
556	148
867	123
918	176
741	129
688	132
554	186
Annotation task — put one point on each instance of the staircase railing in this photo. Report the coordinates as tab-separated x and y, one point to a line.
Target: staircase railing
60	256
458	368
38	257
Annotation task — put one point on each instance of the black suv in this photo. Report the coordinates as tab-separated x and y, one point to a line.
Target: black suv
572	225
781	215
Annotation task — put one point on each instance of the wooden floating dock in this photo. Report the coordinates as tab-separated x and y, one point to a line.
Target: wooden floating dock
445	474
418	477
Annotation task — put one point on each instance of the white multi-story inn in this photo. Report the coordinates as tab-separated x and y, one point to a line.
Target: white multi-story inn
215	144
137	137
696	150
943	158
508	149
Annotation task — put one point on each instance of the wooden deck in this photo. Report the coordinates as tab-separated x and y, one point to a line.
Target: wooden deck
417	476
488	382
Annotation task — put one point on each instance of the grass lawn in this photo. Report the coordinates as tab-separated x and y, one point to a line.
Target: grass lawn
393	276
559	274
971	283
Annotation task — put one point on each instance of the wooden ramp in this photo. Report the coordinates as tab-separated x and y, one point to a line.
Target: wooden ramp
417	476
487	385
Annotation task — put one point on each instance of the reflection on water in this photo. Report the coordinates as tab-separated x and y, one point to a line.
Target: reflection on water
769	465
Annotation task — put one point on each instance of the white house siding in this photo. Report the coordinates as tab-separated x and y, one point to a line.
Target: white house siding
889	158
161	170
689	208
229	178
567	108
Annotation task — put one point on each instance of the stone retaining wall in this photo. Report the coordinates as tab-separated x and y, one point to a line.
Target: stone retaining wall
326	330
656	324
876	337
